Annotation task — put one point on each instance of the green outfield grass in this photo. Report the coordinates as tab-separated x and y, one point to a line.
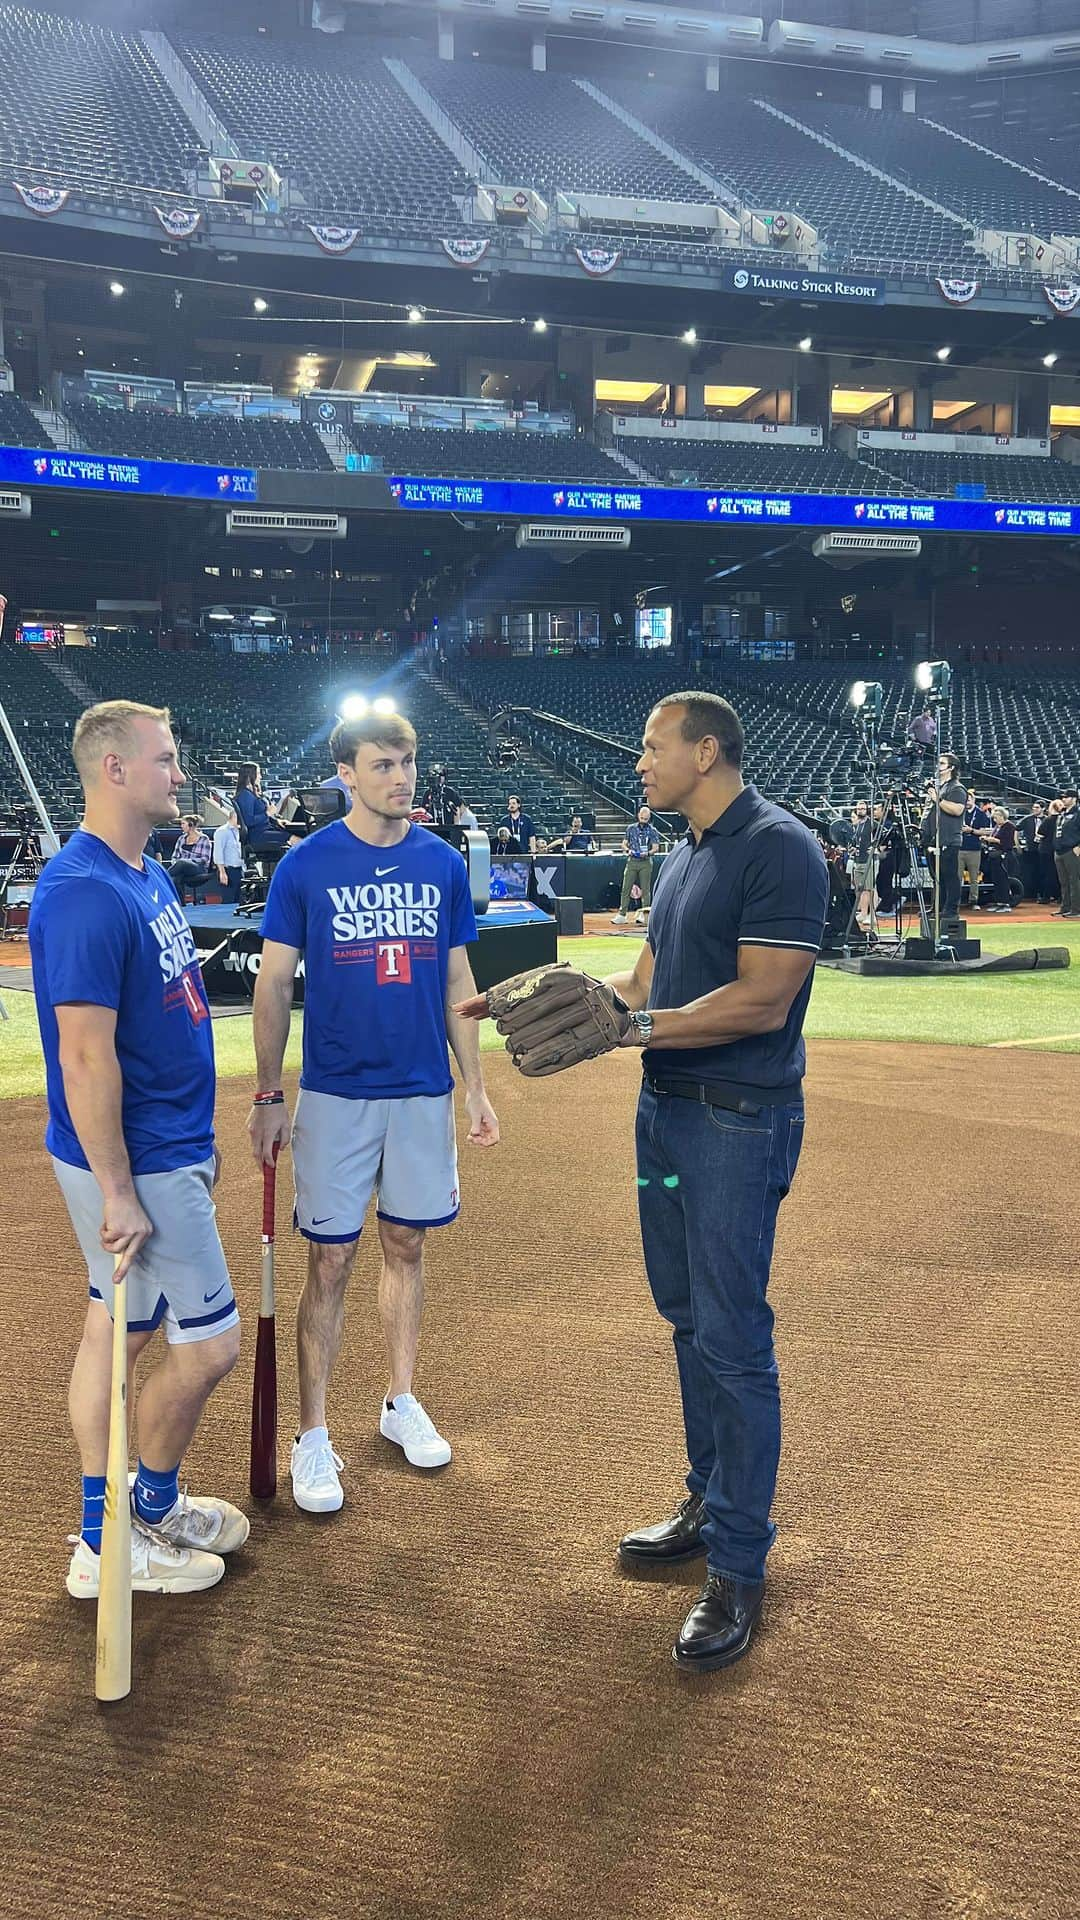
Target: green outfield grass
975	1011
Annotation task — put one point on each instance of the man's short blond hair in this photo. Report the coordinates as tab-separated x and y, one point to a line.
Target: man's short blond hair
109	728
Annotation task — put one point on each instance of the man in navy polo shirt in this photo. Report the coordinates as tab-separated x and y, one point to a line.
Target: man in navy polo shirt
719	993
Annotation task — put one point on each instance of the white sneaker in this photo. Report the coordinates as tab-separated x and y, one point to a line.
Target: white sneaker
213	1526
156	1566
620	920
408	1426
315	1468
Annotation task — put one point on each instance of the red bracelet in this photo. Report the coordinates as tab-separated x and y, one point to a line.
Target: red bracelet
275	1099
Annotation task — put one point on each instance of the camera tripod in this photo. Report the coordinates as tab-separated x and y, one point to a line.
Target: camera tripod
898	826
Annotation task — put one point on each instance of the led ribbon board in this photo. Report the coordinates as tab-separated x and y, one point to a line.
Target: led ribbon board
121	473
517	499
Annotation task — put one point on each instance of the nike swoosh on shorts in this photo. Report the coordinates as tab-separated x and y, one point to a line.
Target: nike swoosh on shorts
208	1297
323	1221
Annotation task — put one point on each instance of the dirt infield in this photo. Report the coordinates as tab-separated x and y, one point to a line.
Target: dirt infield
445	1701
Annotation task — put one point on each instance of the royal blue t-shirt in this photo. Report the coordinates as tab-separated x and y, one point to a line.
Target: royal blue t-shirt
375	926
107	933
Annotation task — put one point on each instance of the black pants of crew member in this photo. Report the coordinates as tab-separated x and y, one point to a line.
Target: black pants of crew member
1030	872
1067	863
995	869
950	881
187	875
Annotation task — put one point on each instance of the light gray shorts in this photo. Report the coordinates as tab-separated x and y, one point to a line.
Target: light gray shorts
345	1150
180	1276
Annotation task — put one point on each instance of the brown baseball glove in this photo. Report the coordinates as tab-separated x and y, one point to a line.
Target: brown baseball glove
555	1017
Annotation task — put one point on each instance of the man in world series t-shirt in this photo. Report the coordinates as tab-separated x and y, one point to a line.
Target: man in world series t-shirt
382	913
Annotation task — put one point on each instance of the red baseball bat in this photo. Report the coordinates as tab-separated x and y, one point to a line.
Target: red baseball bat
264	1392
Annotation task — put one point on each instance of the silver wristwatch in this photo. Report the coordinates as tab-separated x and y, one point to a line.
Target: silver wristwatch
642	1023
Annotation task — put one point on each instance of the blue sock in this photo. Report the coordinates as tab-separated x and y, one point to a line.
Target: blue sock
156	1493
93	1509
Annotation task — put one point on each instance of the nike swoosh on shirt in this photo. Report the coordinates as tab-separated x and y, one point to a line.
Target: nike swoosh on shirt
379	871
154	897
207	1297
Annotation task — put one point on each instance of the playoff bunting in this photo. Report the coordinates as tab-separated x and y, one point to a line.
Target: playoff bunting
596	261
335	239
179	222
43	200
465	253
958	292
1063	299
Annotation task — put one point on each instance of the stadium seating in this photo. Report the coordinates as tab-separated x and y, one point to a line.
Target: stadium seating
1046	142
210	438
978	185
19	427
802	740
771	164
1002	477
775	469
461	455
42	713
87	105
277	710
339	124
540	130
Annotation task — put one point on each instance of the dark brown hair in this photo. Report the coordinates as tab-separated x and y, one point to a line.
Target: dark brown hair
371	730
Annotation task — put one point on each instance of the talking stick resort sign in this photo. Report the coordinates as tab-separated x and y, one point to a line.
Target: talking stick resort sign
778	283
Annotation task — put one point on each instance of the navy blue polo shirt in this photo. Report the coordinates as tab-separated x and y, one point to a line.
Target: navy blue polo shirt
755	878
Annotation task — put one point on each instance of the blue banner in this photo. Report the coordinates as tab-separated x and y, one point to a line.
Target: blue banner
519	499
117	473
795	283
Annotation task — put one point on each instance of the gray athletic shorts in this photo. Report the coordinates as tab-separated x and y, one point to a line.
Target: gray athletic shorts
343	1150
180	1276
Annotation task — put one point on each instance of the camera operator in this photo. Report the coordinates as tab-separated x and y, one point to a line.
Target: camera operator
942	825
441	800
864	866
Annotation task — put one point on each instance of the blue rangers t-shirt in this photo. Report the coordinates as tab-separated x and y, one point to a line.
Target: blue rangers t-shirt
375	926
115	936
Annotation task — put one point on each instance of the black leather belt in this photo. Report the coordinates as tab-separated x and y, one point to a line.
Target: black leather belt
706	1093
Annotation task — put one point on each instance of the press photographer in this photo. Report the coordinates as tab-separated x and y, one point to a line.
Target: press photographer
942	827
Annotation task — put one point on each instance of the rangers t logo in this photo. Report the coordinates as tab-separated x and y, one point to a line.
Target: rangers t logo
393	963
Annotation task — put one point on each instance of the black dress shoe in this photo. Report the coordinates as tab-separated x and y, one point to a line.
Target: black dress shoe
717	1628
676	1539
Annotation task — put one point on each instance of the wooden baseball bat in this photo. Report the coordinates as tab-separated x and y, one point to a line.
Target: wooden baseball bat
112	1674
264	1392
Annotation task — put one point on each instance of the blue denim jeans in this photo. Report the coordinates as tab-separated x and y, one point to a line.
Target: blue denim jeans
710	1183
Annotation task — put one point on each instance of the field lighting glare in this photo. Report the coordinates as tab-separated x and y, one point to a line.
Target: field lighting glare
866	696
934	677
383	705
353	707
